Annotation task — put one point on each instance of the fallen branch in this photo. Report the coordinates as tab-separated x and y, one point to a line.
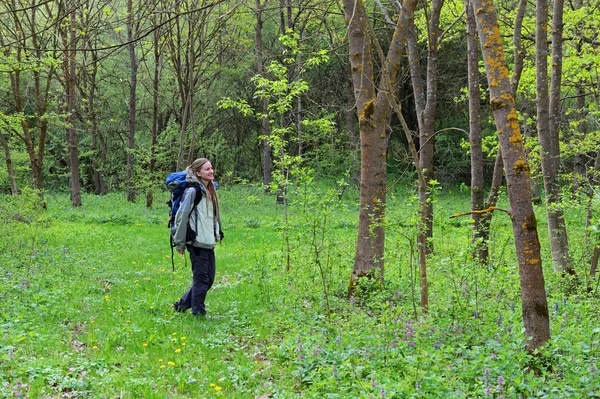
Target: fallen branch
481	211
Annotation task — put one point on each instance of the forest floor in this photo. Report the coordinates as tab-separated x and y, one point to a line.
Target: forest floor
86	295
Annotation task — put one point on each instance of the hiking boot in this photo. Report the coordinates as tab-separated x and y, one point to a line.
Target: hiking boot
176	307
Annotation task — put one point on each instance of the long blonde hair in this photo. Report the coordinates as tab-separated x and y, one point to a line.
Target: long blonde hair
212	193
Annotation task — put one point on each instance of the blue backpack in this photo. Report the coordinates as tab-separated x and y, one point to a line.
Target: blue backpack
177	185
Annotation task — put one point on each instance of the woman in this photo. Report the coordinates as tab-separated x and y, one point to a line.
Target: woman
204	221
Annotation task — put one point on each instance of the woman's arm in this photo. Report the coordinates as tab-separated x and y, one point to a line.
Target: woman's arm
182	217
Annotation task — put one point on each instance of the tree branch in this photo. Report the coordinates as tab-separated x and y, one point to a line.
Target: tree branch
481	211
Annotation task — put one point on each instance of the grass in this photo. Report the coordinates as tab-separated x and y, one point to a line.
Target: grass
86	298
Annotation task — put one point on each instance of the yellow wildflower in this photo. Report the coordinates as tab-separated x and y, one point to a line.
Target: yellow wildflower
177	350
171	363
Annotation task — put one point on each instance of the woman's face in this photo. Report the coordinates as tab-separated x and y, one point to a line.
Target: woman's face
206	172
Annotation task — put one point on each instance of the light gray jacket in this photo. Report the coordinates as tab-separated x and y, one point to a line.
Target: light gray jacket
203	220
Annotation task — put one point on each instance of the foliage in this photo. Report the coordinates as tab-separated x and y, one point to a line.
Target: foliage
86	297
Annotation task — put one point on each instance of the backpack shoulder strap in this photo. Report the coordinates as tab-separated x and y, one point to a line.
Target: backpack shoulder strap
198	195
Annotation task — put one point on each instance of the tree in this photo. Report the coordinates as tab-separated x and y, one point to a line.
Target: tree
527	245
426	104
260	69
132	29
476	150
4	139
24	41
482	221
69	44
548	116
373	107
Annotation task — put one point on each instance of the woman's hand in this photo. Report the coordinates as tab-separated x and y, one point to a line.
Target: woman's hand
181	251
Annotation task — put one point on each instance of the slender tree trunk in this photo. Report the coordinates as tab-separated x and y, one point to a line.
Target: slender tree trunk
264	122
580	164
533	295
190	97
9	165
477	172
373	109
133	65
352	135
426	104
69	60
97	157
548	116
154	130
596	252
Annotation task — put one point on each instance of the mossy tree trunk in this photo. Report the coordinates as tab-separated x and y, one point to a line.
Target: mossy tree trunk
373	108
533	293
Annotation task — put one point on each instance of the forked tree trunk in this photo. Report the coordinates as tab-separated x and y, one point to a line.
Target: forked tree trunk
547	123
30	39
373	109
533	294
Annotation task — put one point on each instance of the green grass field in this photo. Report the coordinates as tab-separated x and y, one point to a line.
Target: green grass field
86	311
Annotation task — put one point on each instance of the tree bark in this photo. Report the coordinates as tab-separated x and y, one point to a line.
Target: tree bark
352	135
477	172
498	172
426	104
133	68
533	294
373	108
264	121
69	64
9	165
548	116
155	88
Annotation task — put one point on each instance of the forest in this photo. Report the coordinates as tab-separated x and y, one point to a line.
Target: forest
408	193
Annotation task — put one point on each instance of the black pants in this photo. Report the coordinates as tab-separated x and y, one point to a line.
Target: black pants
203	269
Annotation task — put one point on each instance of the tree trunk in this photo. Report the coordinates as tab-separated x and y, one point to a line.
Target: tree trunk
492	199
477	172
69	62
9	166
580	163
155	88
425	103
133	65
533	294
373	109
36	158
548	115
352	135
264	122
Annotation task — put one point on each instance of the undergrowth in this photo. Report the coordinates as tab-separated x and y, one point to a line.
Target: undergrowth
86	298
